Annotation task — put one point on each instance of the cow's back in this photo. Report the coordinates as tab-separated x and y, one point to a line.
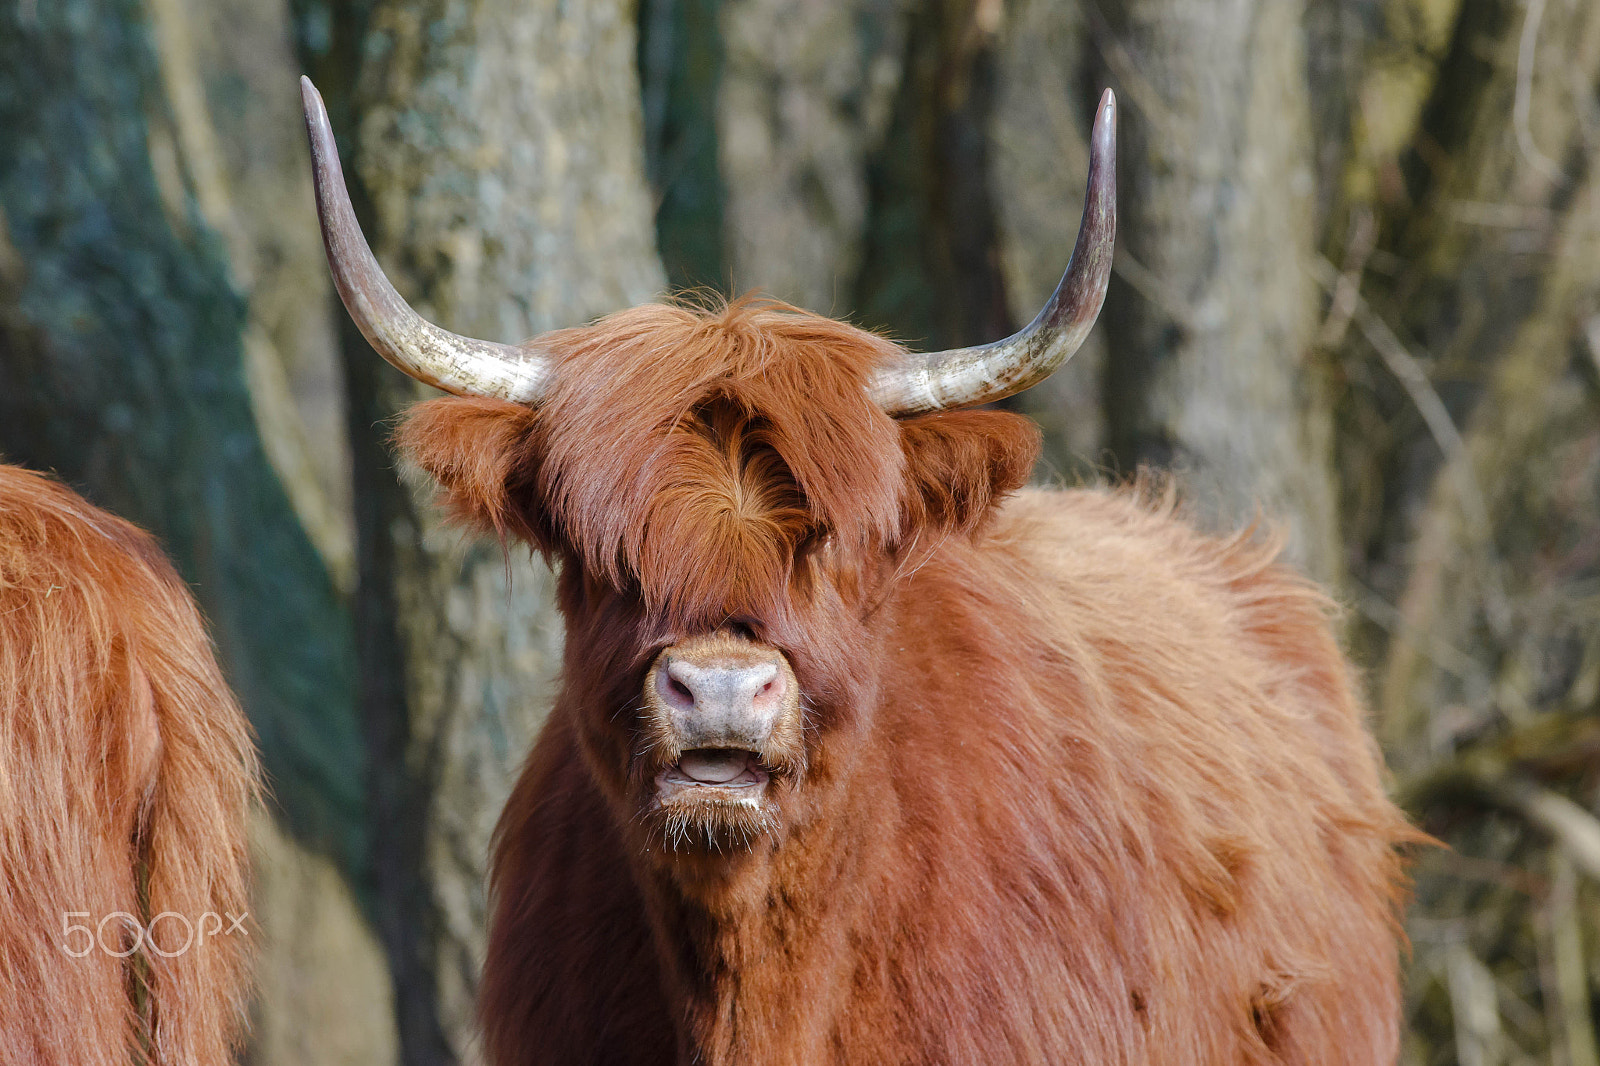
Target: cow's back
1228	732
125	772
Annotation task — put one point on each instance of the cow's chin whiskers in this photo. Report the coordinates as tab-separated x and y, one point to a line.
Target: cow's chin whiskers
710	820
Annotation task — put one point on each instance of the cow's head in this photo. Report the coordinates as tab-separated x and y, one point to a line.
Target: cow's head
730	493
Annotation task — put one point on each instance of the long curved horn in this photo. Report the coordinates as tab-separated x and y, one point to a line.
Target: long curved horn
965	376
408	341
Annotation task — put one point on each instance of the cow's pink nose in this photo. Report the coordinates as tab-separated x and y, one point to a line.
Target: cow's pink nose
721	706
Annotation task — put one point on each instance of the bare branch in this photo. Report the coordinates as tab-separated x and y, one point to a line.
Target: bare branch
1522	106
1137	88
1575	830
1567	971
1439	651
1346	292
1472	1004
1146	283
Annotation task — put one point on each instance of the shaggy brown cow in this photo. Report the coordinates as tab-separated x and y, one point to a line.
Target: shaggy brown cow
865	756
126	770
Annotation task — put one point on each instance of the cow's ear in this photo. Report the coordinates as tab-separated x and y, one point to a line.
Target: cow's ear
485	456
960	463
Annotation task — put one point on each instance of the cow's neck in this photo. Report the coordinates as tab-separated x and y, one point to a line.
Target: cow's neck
750	963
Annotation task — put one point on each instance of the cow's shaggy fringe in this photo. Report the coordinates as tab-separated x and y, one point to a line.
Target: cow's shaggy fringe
125	773
1082	784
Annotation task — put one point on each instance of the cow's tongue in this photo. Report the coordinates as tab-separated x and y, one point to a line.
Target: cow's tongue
713	766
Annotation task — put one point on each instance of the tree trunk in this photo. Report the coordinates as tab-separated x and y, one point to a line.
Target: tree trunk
1357	284
1044	108
499	148
1213	312
680	73
805	98
930	269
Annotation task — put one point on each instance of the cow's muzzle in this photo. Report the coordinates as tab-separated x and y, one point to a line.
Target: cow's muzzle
724	715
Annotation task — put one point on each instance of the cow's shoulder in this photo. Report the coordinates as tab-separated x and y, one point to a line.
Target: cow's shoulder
1133	550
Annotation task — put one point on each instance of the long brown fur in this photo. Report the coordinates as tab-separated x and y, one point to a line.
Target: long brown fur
126	770
1081	784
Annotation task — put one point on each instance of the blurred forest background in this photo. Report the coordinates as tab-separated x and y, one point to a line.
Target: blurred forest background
1357	286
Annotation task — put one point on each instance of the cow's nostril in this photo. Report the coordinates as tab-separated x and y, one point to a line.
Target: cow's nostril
673	691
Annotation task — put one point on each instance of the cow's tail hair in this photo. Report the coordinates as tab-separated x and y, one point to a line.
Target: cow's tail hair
194	852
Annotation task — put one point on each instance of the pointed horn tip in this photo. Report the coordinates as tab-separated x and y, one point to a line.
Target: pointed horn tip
1104	135
1029	356
311	99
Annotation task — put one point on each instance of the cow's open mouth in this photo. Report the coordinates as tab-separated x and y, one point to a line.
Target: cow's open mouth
710	773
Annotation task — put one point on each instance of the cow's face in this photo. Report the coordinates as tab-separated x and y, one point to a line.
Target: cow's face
730	509
731	495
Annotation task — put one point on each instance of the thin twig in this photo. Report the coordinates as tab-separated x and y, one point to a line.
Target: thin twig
1458	461
1392	620
1489	871
1522	106
1567	969
1346	293
1472	1007
1145	282
1140	90
1409	373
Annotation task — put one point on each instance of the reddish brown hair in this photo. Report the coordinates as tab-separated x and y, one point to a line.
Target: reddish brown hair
1080	783
126	770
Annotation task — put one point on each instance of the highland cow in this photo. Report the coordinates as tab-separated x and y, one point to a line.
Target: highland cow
126	772
866	754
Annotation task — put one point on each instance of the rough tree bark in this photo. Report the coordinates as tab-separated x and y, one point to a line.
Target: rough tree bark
1214	311
805	98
